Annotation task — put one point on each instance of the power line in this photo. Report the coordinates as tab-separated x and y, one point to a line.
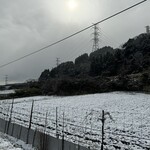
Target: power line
77	48
59	41
109	38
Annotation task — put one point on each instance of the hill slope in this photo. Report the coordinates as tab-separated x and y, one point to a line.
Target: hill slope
106	69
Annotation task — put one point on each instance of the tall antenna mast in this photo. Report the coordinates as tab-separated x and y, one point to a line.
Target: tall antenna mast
95	38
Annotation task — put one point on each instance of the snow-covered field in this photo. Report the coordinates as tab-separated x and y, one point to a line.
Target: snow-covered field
78	118
7	92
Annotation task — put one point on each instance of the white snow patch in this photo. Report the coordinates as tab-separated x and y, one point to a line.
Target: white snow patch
7	92
9	143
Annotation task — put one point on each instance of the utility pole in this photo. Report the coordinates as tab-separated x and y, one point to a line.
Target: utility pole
96	38
6	79
57	61
103	122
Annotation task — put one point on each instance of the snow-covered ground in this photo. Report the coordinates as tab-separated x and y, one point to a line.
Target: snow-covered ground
127	124
7	92
9	143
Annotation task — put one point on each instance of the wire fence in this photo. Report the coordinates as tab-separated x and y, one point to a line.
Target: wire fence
95	129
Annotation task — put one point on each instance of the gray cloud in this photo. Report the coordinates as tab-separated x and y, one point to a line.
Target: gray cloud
26	26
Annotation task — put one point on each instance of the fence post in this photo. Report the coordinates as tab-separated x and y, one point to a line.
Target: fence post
103	122
45	135
57	122
63	132
46	118
12	105
30	122
5	118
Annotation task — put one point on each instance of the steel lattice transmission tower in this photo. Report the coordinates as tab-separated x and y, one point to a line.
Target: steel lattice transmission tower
148	29
96	35
57	61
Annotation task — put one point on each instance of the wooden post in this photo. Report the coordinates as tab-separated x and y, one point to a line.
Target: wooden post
45	135
10	118
56	122
30	122
6	122
45	122
103	122
12	105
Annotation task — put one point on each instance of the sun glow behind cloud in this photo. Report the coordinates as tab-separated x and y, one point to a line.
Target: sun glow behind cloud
72	5
46	21
73	11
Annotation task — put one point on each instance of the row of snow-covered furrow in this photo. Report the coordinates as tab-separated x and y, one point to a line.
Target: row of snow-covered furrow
141	130
79	134
83	113
70	132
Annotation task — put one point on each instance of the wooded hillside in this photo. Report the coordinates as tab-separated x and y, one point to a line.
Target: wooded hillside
107	69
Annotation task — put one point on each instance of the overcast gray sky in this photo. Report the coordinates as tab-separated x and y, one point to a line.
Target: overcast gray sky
27	25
